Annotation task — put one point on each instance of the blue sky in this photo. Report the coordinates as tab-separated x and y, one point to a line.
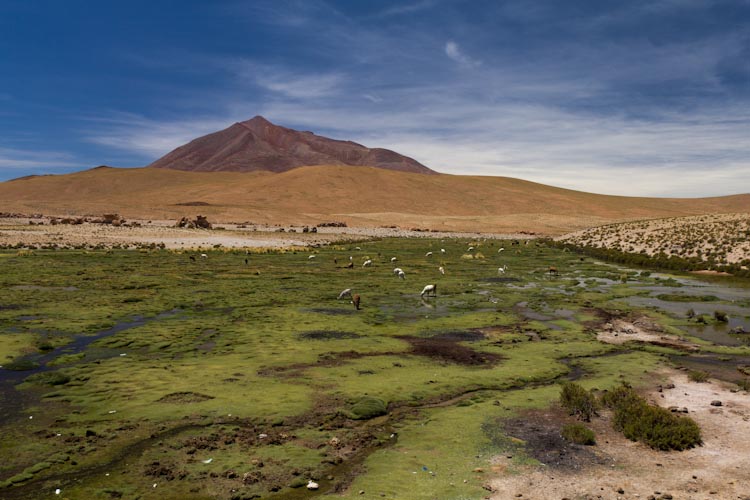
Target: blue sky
637	97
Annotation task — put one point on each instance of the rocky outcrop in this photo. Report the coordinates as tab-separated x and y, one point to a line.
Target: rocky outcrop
200	222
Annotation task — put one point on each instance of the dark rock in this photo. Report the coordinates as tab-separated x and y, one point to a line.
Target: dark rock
202	222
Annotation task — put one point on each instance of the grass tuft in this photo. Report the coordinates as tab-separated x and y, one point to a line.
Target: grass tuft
578	434
578	401
367	407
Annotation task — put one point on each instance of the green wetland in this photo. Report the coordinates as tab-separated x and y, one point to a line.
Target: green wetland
160	374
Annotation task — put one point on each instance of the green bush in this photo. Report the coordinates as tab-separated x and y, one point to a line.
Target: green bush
655	426
659	428
578	401
578	434
21	365
618	396
49	378
698	375
721	316
367	407
677	297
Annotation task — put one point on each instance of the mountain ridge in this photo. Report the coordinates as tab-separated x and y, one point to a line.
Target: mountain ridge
258	144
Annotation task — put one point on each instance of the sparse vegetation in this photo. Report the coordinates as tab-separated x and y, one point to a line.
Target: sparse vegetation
578	401
698	375
655	426
20	365
48	378
676	297
578	434
721	316
695	243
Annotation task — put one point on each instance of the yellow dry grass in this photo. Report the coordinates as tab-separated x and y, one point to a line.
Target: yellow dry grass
357	195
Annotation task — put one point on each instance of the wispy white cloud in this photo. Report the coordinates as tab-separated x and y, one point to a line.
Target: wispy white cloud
372	98
453	51
286	82
300	86
407	8
285	13
12	158
150	138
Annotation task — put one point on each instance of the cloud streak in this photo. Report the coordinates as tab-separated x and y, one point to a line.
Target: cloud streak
298	86
453	51
148	138
408	8
21	159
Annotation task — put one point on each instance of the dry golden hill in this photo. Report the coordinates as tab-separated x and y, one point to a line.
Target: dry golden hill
358	196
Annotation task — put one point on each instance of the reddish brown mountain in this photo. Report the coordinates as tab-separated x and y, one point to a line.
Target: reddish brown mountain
258	144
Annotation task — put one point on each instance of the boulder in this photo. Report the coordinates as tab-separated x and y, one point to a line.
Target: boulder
202	222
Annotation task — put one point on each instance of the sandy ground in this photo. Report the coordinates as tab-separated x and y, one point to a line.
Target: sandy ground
720	469
621	331
18	230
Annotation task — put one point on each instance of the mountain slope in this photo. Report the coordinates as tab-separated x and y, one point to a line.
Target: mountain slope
258	144
358	196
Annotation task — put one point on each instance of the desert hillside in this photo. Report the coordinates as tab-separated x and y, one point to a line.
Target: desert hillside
716	239
359	196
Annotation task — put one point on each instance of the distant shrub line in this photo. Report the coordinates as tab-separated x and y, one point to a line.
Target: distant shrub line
659	261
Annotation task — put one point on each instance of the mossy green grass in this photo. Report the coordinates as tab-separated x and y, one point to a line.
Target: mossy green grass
142	353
